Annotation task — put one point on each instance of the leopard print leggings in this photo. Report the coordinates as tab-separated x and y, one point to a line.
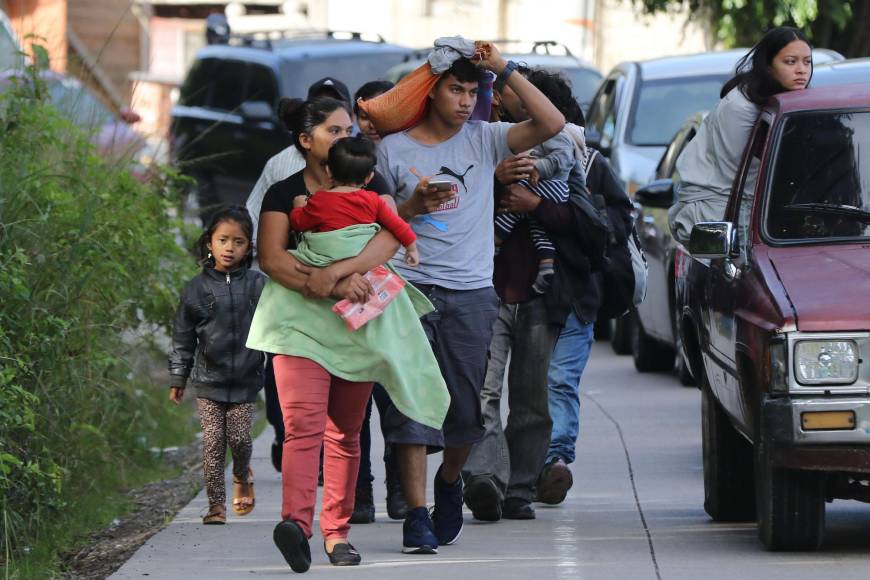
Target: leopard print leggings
222	424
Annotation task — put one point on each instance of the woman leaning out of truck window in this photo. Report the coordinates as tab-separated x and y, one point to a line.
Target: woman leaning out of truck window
781	61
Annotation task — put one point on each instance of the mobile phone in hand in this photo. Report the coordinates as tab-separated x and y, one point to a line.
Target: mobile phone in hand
439	185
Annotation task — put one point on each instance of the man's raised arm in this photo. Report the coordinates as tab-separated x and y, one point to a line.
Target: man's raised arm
544	121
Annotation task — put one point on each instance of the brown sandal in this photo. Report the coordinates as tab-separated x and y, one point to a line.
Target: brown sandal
216	516
244	504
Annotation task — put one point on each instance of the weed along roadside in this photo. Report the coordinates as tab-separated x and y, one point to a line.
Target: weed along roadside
88	276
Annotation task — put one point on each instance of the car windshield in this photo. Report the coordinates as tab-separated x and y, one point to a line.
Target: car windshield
663	105
584	83
82	108
821	182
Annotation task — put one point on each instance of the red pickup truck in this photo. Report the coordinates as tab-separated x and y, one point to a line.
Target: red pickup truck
773	307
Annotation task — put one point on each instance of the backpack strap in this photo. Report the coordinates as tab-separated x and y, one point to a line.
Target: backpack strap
587	162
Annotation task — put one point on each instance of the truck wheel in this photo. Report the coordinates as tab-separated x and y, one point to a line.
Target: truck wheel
649	354
728	486
620	340
791	506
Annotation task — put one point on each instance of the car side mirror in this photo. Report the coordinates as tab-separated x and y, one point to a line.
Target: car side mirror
257	112
711	240
659	193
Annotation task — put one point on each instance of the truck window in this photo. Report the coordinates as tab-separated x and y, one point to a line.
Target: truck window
821	181
747	190
261	85
228	85
194	91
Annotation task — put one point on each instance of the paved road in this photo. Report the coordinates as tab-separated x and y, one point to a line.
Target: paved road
635	512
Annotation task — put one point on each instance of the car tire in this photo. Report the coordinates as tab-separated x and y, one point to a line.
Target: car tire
620	340
728	469
649	354
791	506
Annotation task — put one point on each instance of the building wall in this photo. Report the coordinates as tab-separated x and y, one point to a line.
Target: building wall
47	21
624	33
604	32
109	31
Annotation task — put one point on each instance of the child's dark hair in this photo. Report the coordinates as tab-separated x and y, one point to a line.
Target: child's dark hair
557	88
301	117
351	160
369	90
753	75
232	213
465	71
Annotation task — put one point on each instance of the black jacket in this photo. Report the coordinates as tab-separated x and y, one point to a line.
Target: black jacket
580	253
211	329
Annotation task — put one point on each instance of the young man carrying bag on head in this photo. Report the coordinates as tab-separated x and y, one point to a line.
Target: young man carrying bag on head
455	237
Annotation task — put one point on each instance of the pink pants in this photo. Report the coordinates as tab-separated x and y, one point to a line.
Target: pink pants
318	407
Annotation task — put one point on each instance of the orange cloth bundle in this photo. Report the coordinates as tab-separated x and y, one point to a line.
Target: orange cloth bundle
405	104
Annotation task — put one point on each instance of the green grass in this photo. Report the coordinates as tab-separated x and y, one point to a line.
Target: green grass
97	498
90	274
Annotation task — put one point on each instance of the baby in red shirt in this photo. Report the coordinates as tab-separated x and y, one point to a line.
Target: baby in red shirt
351	164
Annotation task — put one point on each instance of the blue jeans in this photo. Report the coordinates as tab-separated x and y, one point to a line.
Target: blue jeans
563	381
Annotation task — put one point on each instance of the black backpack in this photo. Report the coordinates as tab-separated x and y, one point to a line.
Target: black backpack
625	268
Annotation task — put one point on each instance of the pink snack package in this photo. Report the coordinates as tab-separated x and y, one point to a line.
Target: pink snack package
386	287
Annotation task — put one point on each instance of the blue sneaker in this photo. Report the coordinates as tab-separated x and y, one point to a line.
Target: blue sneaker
418	533
447	514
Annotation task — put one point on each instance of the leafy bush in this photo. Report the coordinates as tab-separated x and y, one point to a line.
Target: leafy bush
89	269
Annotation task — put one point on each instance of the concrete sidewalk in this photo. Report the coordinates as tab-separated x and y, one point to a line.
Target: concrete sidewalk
598	533
598	526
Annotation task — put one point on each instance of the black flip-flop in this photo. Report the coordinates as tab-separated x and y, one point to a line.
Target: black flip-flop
293	544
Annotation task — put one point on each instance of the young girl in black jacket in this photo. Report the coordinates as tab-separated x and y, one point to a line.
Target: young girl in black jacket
209	354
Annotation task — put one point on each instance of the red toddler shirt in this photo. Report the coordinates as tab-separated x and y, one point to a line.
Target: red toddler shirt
327	211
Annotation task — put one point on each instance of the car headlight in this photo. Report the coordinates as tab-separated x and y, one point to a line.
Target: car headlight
826	362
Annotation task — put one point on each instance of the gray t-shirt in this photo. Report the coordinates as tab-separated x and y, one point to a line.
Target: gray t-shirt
455	242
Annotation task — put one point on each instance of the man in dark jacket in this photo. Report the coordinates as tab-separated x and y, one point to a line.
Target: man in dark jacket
504	466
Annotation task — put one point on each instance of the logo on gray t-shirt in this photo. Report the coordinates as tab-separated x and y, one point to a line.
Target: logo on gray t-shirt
456	241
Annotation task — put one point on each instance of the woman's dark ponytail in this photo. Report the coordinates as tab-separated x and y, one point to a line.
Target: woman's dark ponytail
301	117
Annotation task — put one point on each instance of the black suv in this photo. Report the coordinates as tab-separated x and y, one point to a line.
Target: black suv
225	126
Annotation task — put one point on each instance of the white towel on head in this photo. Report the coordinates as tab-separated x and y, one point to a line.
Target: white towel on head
447	50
